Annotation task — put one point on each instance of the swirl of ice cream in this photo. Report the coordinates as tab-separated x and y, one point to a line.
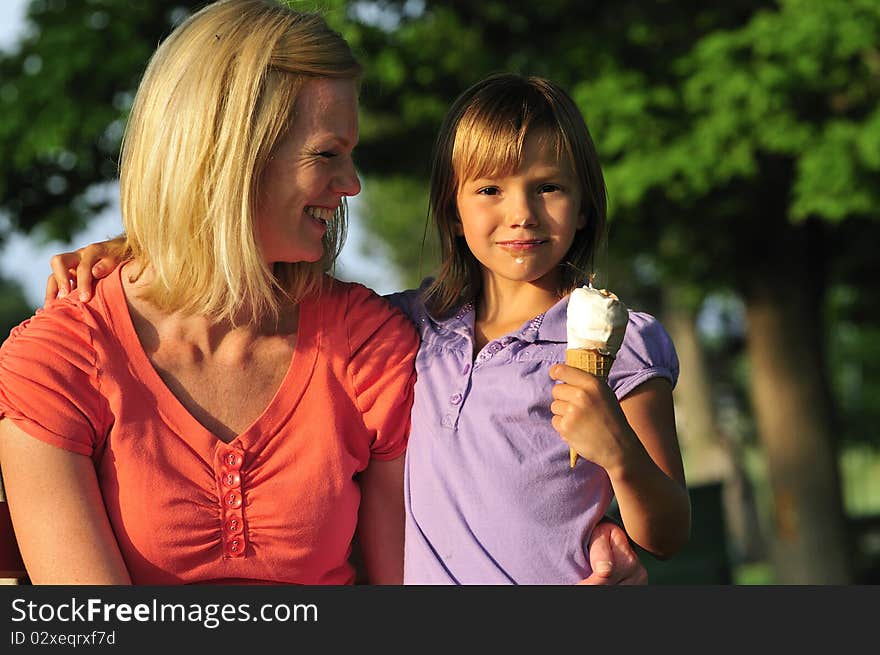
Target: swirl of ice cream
596	320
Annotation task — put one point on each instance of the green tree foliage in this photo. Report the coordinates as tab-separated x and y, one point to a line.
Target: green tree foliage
64	94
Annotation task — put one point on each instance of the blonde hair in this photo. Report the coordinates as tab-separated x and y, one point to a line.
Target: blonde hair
216	96
483	135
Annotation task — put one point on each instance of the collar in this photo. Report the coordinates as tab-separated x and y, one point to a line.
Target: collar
549	326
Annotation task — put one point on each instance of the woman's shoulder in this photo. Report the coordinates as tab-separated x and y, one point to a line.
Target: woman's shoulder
359	308
65	324
65	329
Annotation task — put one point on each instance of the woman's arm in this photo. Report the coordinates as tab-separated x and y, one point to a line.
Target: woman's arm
58	513
636	443
380	521
612	557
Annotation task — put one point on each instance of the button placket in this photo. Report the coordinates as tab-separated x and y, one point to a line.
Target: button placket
228	465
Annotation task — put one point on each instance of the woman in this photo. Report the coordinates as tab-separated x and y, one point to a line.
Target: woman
222	409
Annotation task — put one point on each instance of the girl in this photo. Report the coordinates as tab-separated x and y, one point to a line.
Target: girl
518	199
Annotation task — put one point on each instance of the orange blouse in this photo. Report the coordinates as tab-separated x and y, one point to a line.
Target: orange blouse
279	503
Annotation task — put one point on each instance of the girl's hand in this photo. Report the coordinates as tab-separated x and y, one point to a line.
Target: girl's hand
78	269
588	417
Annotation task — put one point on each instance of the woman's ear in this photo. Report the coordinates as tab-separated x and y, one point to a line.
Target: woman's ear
581	221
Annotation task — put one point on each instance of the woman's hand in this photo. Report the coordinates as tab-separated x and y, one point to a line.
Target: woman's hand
612	558
80	268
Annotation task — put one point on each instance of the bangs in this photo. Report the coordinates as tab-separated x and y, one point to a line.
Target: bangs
489	140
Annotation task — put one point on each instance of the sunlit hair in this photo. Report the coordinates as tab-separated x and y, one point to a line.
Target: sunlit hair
216	96
483	136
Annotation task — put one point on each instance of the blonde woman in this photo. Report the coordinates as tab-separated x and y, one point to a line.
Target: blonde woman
222	410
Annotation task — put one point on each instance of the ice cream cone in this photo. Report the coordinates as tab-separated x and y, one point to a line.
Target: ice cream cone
591	361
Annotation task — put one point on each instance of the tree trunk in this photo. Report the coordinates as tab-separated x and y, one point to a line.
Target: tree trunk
710	455
793	411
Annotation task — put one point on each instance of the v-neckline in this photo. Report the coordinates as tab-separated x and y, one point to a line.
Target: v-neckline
279	408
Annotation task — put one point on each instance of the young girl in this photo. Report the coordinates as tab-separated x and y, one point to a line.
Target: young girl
518	199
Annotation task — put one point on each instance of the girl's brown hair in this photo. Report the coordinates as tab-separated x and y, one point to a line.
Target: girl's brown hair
483	135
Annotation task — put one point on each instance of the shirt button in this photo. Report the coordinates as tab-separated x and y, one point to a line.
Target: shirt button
466	369
233	460
447	421
455	398
232	479
232	499
495	347
236	547
234	525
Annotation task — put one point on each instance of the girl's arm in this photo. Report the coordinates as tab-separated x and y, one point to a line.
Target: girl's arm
380	521
80	268
58	513
636	443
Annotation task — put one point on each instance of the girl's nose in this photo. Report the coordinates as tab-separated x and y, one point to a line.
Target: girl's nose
523	215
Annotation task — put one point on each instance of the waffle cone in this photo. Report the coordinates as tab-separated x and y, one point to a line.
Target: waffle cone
593	362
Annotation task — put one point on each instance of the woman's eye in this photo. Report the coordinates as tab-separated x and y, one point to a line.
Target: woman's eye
548	188
327	154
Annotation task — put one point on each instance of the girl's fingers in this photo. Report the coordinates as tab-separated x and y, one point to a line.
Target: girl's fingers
51	290
61	265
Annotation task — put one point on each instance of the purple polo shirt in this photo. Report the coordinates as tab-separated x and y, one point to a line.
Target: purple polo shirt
490	497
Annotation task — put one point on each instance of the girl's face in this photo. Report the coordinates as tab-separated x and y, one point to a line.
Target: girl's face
309	172
519	227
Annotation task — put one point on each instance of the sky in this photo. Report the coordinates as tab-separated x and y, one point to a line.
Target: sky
27	261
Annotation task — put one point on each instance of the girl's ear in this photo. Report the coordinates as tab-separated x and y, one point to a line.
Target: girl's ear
457	227
581	221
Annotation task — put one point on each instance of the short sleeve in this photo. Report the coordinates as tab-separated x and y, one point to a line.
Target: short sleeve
383	345
647	352
49	380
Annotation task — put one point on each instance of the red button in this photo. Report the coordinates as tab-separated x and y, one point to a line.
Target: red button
234	525
231	479
236	547
233	499
233	459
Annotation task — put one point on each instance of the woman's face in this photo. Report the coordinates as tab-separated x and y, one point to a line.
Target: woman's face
309	172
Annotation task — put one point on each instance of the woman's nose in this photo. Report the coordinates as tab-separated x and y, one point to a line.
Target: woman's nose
346	182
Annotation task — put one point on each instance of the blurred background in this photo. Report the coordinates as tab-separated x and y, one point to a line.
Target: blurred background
741	148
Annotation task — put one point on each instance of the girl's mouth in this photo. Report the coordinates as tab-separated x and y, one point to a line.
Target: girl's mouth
521	245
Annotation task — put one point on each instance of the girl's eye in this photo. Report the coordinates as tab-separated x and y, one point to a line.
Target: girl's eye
548	188
327	154
489	191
